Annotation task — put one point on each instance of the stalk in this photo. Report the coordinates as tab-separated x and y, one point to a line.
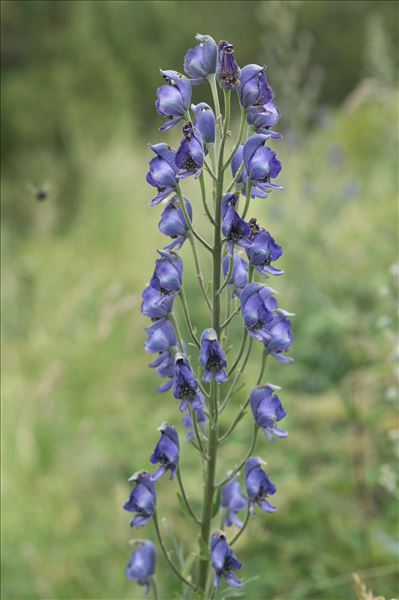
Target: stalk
209	488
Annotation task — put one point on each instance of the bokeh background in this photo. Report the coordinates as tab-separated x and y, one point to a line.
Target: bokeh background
80	409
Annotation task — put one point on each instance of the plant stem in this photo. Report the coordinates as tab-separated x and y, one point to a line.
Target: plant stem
239	138
188	221
209	484
154	587
265	354
187	318
184	496
199	272
242	529
237	377
242	463
166	553
247	199
203	196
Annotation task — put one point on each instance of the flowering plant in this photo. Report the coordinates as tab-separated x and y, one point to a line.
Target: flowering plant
240	250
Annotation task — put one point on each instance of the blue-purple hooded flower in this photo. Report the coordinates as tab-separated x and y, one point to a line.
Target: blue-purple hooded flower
166	452
258	485
263	251
200	61
258	189
168	273
263	117
142	499
266	322
234	501
185	385
174	98
227	70
212	357
239	274
234	228
191	153
267	410
224	561
155	304
280	337
188	424
163	172
142	563
161	339
261	163
254	89
173	222
204	121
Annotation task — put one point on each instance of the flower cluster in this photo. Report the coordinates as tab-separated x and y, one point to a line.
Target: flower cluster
197	369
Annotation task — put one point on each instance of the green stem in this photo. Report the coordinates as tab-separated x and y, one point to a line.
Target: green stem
173	320
240	352
247	199
265	354
199	272
182	205
197	432
242	529
203	196
209	484
184	496
237	377
209	170
230	318
154	587
244	460
239	138
166	553
228	276
187	318
215	96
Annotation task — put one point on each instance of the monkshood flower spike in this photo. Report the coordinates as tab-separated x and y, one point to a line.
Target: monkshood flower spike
204	319
142	563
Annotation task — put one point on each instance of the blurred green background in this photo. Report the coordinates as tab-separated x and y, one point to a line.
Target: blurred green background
79	405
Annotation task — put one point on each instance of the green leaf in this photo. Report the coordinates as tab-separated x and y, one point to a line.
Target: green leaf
188	563
216	503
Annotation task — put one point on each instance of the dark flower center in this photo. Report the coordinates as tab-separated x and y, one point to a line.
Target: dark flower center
258	325
236	234
266	179
213	363
186	390
229	78
190	164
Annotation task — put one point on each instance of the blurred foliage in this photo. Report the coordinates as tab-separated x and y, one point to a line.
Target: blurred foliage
79	404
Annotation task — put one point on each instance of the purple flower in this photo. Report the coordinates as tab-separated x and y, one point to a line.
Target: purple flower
142	563
265	321
200	61
142	499
155	304
224	561
263	251
190	154
258	189
234	500
163	171
212	358
173	99
239	275
185	385
258	485
280	338
260	162
204	121
188	424
168	273
173	222
162	340
263	117
234	228
254	89
227	70
267	410
166	452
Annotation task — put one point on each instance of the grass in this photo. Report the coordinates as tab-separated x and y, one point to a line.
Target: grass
80	409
